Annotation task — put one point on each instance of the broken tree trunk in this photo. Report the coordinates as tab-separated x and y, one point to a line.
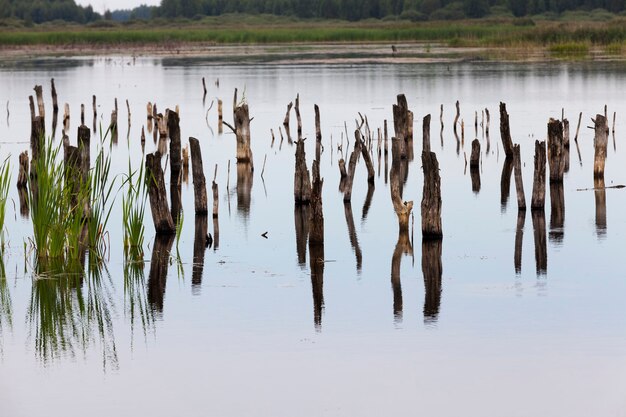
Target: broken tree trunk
456	117
220	116
176	163
354	156
318	133
539	181
475	155
42	109
37	134
302	181
600	141
505	131
555	150
426	132
519	184
431	197
161	215
55	104
566	133
316	219
22	178
199	180
242	132
298	119
401	123
366	158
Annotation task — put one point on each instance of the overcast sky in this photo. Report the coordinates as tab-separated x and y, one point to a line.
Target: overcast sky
101	5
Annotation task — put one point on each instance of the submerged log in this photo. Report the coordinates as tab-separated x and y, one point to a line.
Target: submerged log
199	180
556	159
161	215
539	181
519	183
505	131
302	180
600	142
431	197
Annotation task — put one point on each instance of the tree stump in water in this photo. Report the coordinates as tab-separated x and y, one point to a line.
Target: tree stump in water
519	184
42	108
199	180
475	155
302	181
242	132
316	219
426	132
371	173
539	180
556	158
431	197
354	156
401	121
600	141
161	215
84	139
505	131
22	178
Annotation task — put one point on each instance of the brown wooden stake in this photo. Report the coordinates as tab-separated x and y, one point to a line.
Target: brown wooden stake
456	117
128	109
199	181
426	133
580	116
113	126
216	200
55	104
242	133
36	136
316	222
600	141
286	121
519	184
566	133
401	122
539	179
302	181
613	129
441	117
298	119
161	215
488	122
83	141
505	132
42	109
386	138
318	133
431	197
556	160
186	164
354	156
475	155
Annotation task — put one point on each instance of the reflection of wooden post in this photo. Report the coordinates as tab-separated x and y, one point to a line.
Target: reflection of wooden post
301	222
488	122
539	182
22	178
95	111
431	197
539	233
161	215
505	132
519	240
354	240
244	187
600	141
566	133
403	247
475	177
159	264
555	150
302	181
557	211
432	270
199	247
600	194
519	184
199	180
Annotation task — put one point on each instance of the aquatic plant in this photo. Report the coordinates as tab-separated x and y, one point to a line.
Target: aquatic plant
133	210
5	179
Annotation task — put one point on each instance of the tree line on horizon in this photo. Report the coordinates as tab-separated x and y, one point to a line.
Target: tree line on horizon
39	11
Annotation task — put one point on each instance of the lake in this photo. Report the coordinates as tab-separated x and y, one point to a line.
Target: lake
244	329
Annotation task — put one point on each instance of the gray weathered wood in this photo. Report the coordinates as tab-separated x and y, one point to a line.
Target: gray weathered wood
161	215
505	131
519	184
199	180
431	197
539	179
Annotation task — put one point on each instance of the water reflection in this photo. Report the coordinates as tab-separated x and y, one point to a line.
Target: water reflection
557	212
600	195
135	295
505	183
539	233
368	201
475	176
200	242
519	239
432	270
244	187
354	240
301	220
158	270
68	313
403	247
6	305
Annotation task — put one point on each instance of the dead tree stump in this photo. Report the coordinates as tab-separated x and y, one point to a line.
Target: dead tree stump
42	109
199	180
426	132
83	141
456	117
371	173
475	155
302	181
431	197
401	121
354	156
298	119
556	158
316	219
539	180
161	215
600	141
505	131
22	178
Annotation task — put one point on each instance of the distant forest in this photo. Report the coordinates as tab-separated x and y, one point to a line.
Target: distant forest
39	11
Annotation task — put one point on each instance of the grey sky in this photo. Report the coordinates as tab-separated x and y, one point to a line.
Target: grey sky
101	5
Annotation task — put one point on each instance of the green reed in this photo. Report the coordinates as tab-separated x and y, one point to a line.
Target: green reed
133	211
5	179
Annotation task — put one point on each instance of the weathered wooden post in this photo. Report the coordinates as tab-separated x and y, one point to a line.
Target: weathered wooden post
431	197
161	215
83	141
42	109
366	157
349	180
176	163
286	121
600	141
298	119
55	104
199	181
505	131
401	121
519	184
318	133
539	181
216	199
302	181
220	117
426	132
456	117
475	155
556	160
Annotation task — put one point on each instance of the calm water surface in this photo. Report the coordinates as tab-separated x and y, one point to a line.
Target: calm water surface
249	333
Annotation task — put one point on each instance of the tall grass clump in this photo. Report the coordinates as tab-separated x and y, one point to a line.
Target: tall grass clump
133	210
5	179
